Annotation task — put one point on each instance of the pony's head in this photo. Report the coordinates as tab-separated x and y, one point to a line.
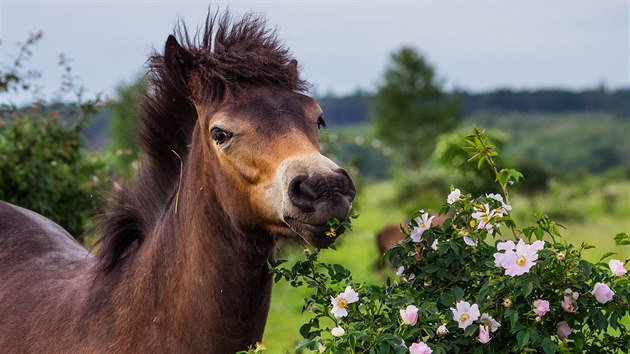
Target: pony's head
253	131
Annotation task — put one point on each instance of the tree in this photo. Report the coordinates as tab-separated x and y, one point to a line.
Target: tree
123	127
411	109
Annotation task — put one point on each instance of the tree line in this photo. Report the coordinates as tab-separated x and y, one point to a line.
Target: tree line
355	108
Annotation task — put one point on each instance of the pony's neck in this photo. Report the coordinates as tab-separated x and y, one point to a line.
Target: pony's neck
209	281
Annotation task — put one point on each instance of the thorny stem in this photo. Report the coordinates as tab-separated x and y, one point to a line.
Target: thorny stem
478	135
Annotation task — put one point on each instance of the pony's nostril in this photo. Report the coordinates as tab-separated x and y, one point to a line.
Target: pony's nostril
301	193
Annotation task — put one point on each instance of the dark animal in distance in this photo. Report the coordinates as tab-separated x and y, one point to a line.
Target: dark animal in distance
230	162
389	235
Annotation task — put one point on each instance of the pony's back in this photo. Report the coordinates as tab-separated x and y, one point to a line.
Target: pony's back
40	267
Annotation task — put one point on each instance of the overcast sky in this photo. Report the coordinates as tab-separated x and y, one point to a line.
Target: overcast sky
344	45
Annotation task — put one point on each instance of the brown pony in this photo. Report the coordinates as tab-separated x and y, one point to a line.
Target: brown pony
230	162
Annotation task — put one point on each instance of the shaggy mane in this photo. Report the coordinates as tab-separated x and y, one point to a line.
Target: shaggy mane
228	56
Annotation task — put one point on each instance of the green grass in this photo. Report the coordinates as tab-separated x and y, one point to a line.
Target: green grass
594	222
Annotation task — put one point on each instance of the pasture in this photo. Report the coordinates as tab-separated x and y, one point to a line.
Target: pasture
590	219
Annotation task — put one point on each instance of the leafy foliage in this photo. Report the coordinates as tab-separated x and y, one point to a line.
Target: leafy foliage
44	165
412	100
464	260
123	127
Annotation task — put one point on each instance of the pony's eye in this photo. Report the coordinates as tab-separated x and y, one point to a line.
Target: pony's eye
220	136
320	123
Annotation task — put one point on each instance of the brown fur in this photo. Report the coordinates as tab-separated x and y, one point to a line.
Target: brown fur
189	277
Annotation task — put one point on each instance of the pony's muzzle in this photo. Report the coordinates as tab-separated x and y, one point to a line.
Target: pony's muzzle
323	196
314	191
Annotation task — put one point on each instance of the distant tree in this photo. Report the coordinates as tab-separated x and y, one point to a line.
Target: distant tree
411	109
123	126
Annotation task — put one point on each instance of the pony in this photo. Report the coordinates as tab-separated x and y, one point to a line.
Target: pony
230	162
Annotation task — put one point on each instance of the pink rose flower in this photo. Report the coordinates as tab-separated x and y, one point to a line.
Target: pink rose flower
424	223
489	322
420	348
617	267
342	300
454	196
337	331
563	330
484	217
442	330
484	336
602	293
568	305
465	314
541	307
517	259
409	315
469	241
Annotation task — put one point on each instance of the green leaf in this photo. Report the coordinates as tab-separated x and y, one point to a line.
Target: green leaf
533	335
402	350
480	163
540	233
548	346
447	300
470	330
598	319
509	175
586	267
622	239
457	292
527	288
606	255
305	329
514	319
522	338
383	347
578	340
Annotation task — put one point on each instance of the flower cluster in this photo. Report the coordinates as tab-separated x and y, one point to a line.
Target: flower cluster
473	283
456	289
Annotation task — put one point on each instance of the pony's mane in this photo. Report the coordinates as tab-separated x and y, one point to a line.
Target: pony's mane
227	57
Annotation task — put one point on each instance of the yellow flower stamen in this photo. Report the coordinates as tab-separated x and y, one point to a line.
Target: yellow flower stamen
463	317
260	347
521	261
331	233
342	303
473	223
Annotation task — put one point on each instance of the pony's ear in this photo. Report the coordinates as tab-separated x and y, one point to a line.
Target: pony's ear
178	60
293	68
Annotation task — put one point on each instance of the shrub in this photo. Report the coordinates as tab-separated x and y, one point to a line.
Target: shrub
44	164
461	288
45	167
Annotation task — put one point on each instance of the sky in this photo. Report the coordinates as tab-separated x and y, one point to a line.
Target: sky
343	46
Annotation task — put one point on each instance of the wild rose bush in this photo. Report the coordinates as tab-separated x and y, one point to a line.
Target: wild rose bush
476	283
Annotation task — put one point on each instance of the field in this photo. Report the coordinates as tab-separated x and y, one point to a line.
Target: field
604	210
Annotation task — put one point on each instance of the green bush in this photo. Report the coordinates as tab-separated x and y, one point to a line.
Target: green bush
45	167
460	288
44	164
